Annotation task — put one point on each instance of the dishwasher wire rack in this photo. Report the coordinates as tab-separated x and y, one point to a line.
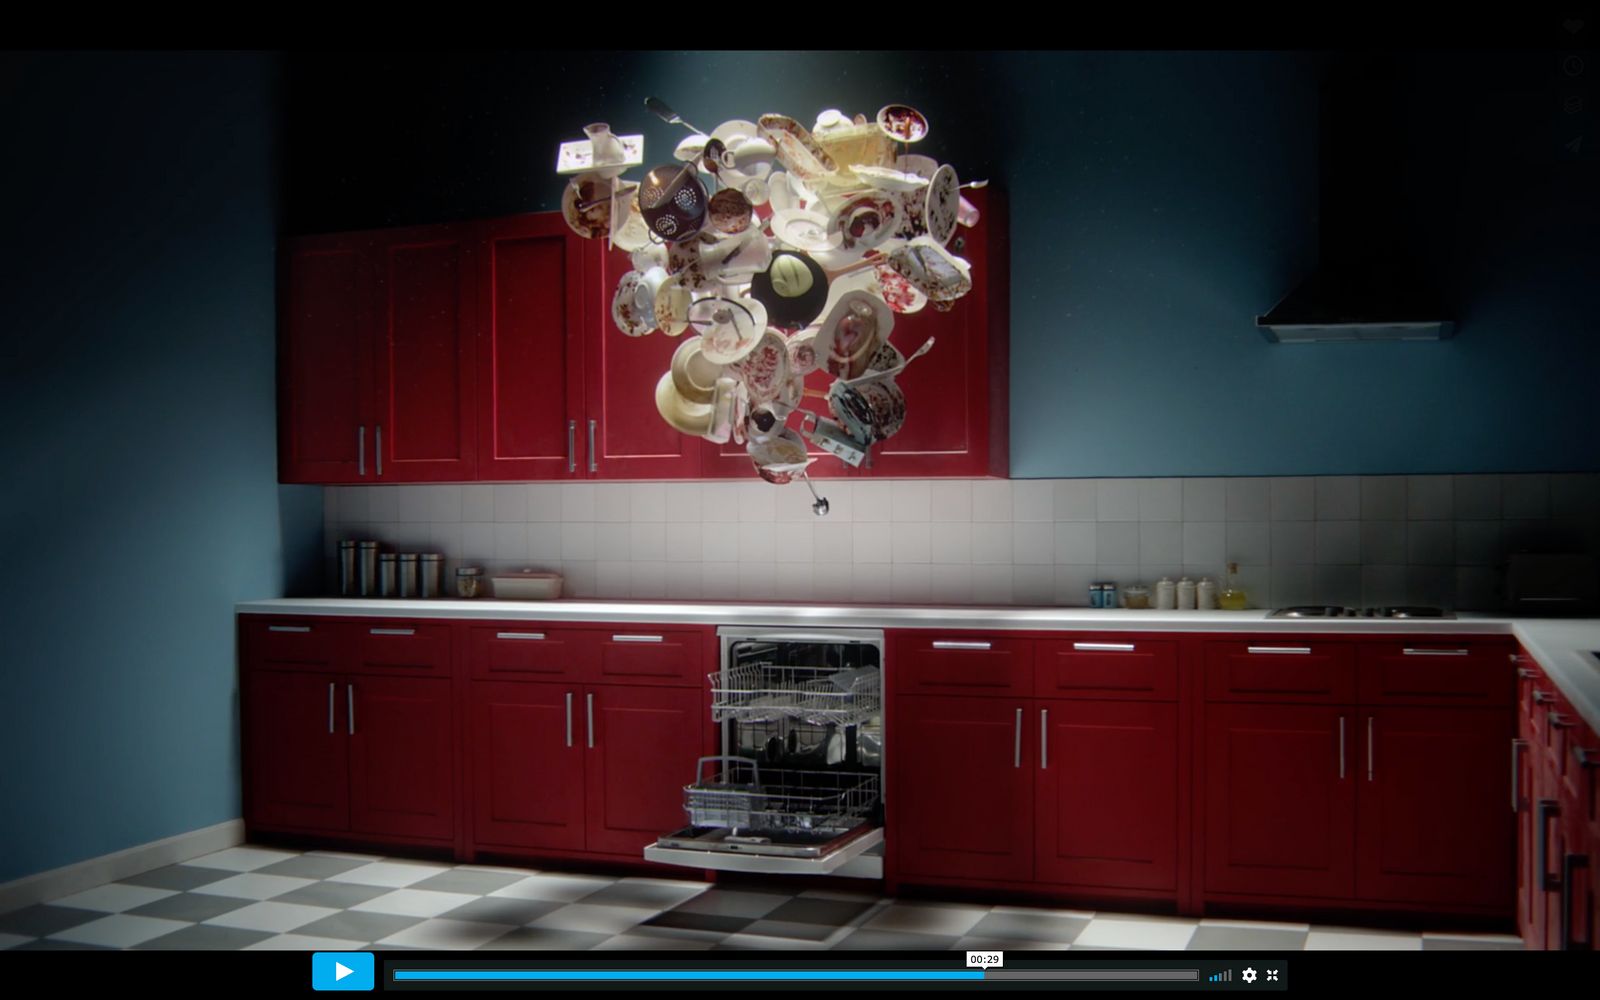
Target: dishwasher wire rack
763	692
742	796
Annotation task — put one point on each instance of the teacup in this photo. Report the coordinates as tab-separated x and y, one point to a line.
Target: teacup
871	411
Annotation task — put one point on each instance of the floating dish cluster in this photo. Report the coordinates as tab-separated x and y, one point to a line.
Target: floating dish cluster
781	250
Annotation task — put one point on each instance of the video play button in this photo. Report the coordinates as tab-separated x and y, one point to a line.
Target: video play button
342	970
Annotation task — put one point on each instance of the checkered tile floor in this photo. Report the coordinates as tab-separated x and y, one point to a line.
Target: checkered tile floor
258	898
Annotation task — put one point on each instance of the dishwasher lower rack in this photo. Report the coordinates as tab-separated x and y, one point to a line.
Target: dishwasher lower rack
740	796
763	692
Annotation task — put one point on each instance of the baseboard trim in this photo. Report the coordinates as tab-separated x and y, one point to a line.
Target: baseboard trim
83	875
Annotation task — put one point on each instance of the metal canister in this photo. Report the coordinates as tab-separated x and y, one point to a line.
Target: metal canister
388	574
368	572
1097	595
432	574
408	574
1108	596
349	580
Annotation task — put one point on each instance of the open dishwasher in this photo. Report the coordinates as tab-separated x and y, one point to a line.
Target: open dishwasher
798	784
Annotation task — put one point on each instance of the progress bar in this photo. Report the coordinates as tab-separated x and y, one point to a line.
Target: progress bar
794	975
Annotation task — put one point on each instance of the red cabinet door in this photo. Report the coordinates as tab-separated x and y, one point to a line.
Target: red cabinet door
530	349
1108	794
960	802
526	744
295	751
426	297
956	394
1434	823
640	748
325	434
402	757
1279	801
623	435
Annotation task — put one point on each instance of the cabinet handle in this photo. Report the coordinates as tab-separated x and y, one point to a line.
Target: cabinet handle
330	708
1341	748
1369	748
1016	753
391	631
594	465
572	446
588	711
1586	758
1526	674
953	644
361	450
1044	738
288	628
1103	647
1436	652
519	635
638	638
1545	811
1295	650
377	449
1518	748
1543	698
569	719
350	706
1569	862
1558	721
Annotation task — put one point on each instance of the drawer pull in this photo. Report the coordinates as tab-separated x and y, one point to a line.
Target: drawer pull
1016	753
519	635
1543	698
1341	748
954	644
1044	738
1586	758
1369	748
288	628
569	718
1293	650
1544	812
1526	674
1103	647
638	638
1436	652
1569	864
392	631
330	708
588	711
1559	721
350	706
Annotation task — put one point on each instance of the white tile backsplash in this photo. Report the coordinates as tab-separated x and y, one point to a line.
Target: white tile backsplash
1428	539
1160	499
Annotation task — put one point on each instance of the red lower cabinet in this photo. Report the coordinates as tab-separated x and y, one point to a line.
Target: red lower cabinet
569	767
961	797
1434	819
1108	794
640	749
527	772
1280	800
295	751
402	759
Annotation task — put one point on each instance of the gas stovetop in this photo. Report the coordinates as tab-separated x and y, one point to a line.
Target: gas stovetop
1334	611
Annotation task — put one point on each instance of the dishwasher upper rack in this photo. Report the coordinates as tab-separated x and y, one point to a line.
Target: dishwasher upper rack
765	692
740	795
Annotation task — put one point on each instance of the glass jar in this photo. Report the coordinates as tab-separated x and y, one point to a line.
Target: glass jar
469	582
1136	596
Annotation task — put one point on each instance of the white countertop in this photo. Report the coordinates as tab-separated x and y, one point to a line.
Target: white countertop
1565	648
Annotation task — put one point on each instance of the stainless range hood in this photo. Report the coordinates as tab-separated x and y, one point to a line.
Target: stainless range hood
1369	284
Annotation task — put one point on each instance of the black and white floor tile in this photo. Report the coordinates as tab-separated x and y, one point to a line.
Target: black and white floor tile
261	898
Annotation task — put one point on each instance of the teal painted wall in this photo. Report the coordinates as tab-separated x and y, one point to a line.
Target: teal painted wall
140	498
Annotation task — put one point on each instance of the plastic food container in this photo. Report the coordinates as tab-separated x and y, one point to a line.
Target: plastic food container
527	585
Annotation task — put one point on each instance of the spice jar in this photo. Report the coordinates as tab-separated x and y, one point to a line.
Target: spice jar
469	582
1136	595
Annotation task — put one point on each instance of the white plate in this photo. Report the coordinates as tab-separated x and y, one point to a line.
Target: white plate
888	178
625	310
943	205
804	230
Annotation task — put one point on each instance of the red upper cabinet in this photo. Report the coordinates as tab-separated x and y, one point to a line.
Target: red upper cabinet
324	361
957	394
624	436
529	386
375	358
424	339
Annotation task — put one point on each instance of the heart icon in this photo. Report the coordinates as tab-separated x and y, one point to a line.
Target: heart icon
1573	25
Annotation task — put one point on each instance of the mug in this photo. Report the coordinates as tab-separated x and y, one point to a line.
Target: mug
832	438
871	411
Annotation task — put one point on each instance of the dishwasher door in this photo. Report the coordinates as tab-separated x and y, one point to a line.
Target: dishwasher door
798	785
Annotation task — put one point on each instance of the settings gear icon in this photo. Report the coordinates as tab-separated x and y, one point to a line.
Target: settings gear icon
1249	975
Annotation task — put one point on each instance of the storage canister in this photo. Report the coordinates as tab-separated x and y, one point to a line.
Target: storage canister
1186	594
408	574
469	582
388	575
349	577
368	559
432	574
